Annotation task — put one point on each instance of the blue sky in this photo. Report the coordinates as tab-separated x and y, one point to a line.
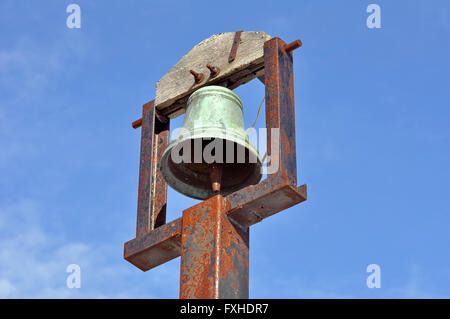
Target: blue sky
373	145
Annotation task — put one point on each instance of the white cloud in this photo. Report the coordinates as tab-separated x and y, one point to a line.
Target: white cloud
25	69
33	263
28	70
6	288
415	286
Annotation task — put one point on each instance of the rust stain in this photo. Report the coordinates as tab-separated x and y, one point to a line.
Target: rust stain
234	47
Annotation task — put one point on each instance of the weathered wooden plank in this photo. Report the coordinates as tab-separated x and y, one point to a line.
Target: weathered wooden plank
178	83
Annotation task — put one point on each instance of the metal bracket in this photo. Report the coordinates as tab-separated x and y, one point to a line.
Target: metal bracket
237	39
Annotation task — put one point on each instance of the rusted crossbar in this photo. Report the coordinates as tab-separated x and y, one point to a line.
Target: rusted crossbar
245	207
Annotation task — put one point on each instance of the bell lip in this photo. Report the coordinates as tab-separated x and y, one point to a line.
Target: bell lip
216	88
202	194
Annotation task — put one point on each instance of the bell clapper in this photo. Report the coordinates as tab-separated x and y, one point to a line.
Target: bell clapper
215	174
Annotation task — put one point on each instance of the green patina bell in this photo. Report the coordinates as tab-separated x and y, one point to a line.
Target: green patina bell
212	154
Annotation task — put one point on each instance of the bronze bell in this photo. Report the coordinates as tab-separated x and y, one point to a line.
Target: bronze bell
212	154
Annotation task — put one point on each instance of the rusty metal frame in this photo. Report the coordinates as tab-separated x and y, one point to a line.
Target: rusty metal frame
212	237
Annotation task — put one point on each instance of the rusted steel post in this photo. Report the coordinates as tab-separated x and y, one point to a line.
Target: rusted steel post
280	108
214	253
152	193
